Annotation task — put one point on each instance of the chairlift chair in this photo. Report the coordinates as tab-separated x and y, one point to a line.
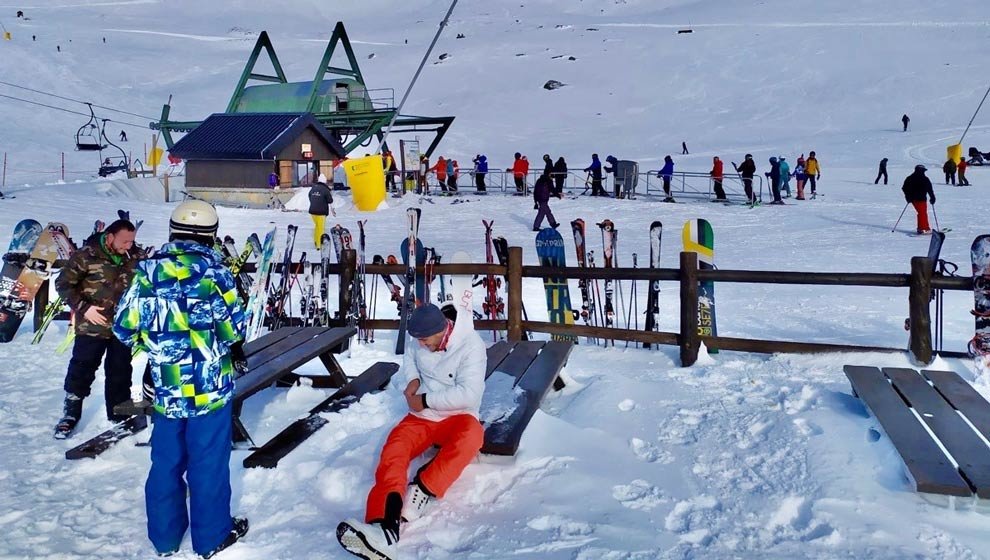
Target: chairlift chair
89	136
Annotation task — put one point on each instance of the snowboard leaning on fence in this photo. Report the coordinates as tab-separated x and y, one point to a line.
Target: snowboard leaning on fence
36	268
550	250
979	347
26	233
699	238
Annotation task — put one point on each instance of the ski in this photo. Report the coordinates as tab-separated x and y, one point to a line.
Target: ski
698	237
258	297
409	302
578	229
608	240
653	295
103	441
493	305
502	253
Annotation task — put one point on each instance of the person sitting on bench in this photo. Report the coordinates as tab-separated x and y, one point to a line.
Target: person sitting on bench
446	373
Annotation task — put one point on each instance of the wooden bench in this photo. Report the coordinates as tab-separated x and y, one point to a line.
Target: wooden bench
271	359
923	415
518	377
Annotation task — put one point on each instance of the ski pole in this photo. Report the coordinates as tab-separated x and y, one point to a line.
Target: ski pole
935	215
906	204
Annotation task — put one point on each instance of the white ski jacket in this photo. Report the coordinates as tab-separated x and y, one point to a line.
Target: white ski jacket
453	380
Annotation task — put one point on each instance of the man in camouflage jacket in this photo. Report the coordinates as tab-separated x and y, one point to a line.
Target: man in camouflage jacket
92	282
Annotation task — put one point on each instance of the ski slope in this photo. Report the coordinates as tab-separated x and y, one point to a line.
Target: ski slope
739	456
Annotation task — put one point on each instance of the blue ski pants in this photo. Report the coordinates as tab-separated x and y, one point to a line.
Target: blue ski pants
199	449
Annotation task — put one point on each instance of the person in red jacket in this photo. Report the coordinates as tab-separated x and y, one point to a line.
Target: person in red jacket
441	170
520	167
716	174
961	172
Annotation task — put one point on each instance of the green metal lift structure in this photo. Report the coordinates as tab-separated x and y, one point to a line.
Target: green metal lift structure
337	97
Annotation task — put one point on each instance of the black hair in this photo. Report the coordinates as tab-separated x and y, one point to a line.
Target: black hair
119	226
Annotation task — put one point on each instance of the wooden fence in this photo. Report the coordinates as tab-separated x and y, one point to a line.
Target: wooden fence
920	283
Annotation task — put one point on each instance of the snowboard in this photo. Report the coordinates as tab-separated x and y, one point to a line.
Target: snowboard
93	447
459	302
979	347
699	238
26	234
36	269
550	250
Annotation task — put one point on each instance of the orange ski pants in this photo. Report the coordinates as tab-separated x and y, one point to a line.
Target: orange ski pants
460	438
921	207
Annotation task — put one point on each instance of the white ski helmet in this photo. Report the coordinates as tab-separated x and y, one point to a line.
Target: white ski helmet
194	217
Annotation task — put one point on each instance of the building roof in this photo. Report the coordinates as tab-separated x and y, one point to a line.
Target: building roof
248	136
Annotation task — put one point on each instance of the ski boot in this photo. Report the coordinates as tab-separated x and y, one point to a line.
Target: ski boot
417	499
236	533
71	413
377	540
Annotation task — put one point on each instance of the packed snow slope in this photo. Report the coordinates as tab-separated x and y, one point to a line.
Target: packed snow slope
739	456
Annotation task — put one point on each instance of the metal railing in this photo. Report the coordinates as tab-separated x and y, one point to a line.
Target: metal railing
689	184
356	100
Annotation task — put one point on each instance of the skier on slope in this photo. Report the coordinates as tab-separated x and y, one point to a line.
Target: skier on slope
905	120
949	168
881	172
320	206
961	171
480	170
595	170
446	373
424	168
814	171
519	169
785	176
774	176
541	195
746	171
441	171
92	282
800	176
666	173
916	188
717	176
193	355
453	170
559	177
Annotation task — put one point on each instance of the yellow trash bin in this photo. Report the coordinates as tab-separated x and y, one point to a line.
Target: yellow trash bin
954	152
366	177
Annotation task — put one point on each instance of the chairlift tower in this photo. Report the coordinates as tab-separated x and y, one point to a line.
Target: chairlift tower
337	96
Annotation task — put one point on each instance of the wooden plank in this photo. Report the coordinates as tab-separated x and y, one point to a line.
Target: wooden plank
523	354
268	455
927	467
502	436
299	336
963	397
496	353
267	340
963	444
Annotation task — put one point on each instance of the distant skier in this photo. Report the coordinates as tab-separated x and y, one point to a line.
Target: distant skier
961	171
717	177
882	172
905	120
666	173
446	372
541	196
480	171
453	170
272	180
559	177
746	171
595	169
320	206
785	176
949	168
440	169
123	136
774	176
424	167
800	177
814	171
520	167
684	149
388	165
547	165
916	188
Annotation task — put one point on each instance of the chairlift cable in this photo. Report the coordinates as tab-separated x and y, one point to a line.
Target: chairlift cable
70	110
78	101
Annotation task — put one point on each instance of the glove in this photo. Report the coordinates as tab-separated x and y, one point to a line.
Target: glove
933	200
238	358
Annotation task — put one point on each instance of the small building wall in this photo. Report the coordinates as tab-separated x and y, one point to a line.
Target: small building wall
240	174
321	150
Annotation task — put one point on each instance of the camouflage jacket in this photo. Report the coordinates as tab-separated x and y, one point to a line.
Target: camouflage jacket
90	278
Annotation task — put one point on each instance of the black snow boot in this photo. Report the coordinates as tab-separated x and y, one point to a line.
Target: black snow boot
240	529
71	413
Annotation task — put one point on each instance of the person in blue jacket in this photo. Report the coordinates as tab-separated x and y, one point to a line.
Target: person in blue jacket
666	173
774	176
480	170
595	174
785	176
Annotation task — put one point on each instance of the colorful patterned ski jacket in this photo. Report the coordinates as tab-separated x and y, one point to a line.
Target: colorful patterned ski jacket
182	309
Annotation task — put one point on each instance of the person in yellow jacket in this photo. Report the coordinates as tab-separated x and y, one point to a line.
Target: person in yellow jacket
814	171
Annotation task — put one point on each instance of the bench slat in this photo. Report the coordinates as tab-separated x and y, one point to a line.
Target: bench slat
964	397
261	376
502	436
298	337
927	467
259	344
523	353
965	446
269	454
496	353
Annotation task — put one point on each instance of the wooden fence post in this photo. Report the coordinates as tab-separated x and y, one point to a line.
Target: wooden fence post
920	313
514	290
348	262
690	341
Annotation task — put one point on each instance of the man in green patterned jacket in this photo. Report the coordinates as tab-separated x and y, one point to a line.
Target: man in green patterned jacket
92	282
182	308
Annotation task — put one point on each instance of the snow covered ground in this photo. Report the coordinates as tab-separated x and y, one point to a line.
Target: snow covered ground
740	456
